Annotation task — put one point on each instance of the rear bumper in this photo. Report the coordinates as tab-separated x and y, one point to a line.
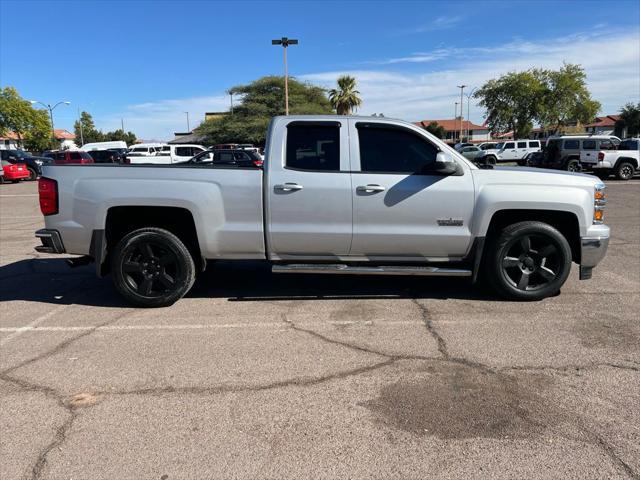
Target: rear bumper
51	241
593	248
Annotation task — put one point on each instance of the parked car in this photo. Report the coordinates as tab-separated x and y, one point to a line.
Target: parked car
239	158
511	151
490	145
623	162
563	152
13	172
168	154
460	146
401	203
144	149
32	162
105	156
471	152
68	157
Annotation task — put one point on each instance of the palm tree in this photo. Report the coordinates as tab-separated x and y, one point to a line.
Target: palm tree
345	98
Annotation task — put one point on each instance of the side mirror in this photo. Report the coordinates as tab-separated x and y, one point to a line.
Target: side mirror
445	164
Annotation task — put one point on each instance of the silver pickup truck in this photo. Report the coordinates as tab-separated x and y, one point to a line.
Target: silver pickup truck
337	194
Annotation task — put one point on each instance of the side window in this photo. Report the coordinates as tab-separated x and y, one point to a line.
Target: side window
241	156
387	149
572	144
183	151
313	147
509	145
225	157
588	144
60	156
535	144
607	145
522	144
3	154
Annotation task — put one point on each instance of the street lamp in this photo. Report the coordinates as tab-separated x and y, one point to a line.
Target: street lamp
455	116
461	87
468	116
50	108
285	42
188	128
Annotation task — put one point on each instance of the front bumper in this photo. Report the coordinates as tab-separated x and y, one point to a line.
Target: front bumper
51	241
593	248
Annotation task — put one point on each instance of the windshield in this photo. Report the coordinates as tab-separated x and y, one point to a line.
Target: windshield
19	153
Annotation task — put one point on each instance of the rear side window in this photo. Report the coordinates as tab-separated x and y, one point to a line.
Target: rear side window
225	157
572	144
522	144
394	150
588	144
313	147
184	151
535	144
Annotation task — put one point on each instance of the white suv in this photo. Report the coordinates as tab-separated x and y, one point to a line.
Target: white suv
512	151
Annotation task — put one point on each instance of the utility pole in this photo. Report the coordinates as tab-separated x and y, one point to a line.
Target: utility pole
188	128
51	109
285	42
122	124
461	87
80	122
468	115
231	95
455	119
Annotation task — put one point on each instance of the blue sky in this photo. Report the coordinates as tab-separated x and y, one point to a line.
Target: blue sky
148	62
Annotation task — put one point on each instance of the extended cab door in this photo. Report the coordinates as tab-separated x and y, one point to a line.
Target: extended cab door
308	191
402	208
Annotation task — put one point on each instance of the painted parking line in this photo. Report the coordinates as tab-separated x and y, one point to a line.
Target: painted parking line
30	326
20	195
284	326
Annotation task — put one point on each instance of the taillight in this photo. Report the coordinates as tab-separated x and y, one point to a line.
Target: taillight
600	156
48	193
258	163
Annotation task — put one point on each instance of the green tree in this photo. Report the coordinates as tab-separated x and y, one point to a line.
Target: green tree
629	118
259	101
512	101
119	134
565	98
88	133
345	98
437	130
17	115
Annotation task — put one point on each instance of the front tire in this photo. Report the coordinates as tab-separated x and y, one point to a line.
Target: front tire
529	261
625	171
151	267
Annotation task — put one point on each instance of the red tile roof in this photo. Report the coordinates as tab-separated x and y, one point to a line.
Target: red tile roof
452	125
9	136
608	121
63	134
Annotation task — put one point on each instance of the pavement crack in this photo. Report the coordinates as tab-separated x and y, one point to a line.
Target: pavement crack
608	449
570	368
59	438
428	323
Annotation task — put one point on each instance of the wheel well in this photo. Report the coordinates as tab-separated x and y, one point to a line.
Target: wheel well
632	161
124	219
565	222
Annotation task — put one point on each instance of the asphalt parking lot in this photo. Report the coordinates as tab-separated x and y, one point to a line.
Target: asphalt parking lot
261	376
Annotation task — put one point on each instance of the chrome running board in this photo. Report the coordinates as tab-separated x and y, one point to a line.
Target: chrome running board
369	270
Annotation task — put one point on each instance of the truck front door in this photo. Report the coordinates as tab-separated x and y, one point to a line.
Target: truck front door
402	208
308	190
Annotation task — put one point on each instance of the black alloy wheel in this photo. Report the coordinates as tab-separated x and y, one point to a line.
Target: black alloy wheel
530	261
152	267
624	171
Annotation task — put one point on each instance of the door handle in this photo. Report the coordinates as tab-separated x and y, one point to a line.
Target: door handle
288	187
370	188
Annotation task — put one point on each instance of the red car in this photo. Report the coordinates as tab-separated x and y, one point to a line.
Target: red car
13	172
70	157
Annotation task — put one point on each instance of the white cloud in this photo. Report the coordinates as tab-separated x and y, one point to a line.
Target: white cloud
612	64
439	23
159	120
611	61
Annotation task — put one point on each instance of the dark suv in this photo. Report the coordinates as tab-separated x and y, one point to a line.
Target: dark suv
563	152
33	163
105	156
237	158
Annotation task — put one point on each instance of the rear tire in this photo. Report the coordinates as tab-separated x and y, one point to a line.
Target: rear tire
151	267
573	165
625	171
32	174
528	261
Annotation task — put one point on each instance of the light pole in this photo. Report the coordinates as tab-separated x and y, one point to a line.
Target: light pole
461	87
80	123
468	116
285	42
51	109
188	128
455	117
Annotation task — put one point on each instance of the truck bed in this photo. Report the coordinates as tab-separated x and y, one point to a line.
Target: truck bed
226	203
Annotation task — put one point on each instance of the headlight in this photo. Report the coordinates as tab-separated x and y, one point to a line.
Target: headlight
599	202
